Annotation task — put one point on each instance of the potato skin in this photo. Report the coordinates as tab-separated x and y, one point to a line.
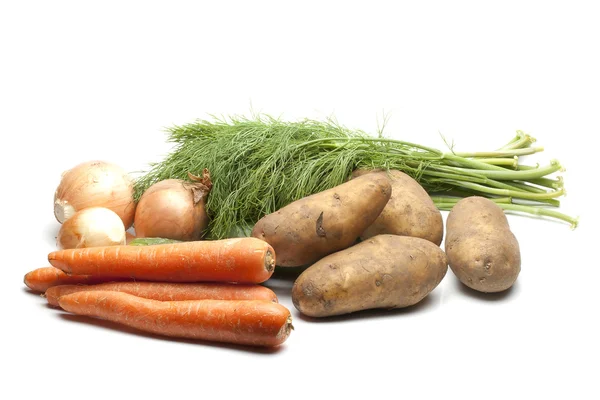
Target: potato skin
310	228
409	212
482	251
385	271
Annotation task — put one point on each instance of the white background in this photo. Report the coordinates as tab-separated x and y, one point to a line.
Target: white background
102	80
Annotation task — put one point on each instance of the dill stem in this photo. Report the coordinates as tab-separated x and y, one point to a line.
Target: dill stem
535	173
454	200
482	180
371	140
549	183
528	188
538	211
520	141
473	164
510	162
502	153
522	167
510	193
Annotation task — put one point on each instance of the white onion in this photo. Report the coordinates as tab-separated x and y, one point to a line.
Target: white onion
95	184
91	227
174	209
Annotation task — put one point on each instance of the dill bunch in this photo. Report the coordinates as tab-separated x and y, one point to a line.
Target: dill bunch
261	164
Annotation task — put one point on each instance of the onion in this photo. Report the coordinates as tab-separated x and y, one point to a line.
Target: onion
174	209
95	184
90	227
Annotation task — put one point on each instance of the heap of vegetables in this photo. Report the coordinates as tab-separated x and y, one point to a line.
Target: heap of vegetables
206	290
360	214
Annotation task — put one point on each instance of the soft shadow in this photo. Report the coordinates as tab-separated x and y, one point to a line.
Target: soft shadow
31	292
421	306
288	273
282	280
282	288
497	296
104	324
50	233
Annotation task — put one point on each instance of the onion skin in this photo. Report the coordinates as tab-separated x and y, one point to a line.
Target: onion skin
174	209
91	227
95	184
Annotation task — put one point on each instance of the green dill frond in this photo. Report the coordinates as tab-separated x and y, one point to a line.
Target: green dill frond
261	164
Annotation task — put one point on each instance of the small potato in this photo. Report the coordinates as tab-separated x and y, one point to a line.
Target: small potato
482	251
385	271
310	228
409	212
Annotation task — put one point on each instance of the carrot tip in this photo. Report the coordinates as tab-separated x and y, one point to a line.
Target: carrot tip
270	261
286	329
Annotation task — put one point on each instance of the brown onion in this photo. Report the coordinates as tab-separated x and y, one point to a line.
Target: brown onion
91	227
174	209
95	184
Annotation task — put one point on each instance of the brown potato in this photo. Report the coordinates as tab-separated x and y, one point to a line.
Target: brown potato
385	271
409	212
315	226
482	251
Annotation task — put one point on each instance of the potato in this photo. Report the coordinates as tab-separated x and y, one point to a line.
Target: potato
482	251
409	212
310	228
385	271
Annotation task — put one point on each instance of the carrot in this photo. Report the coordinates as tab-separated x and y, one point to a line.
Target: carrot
171	291
39	280
248	322
242	260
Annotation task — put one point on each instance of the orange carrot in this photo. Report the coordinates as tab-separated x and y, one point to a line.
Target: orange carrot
248	322
39	280
171	291
242	260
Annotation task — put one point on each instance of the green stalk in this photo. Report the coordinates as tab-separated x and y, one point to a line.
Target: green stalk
482	180
549	183
520	141
372	140
477	177
511	193
502	153
526	187
508	162
454	200
522	167
459	161
516	138
538	211
521	174
506	200
544	202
